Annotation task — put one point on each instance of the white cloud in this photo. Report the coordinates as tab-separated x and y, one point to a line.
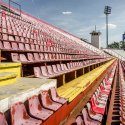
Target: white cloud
110	25
67	12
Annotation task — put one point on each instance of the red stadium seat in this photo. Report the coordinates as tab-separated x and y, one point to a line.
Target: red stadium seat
92	114
97	108
48	103
44	71
87	119
30	57
59	68
21	46
79	121
36	110
50	70
27	46
23	58
37	72
55	96
19	116
36	56
7	45
3	119
41	56
55	69
14	45
15	57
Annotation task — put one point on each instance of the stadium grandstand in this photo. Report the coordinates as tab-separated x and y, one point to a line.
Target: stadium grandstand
51	77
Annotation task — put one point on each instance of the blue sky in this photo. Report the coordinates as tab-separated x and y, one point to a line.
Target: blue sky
79	17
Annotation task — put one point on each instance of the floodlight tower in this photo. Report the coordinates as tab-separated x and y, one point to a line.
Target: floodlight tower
107	11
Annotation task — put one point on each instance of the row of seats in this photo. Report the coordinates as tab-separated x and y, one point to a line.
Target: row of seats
44	109
27	30
16	43
123	65
93	112
50	71
38	57
33	34
121	91
55	70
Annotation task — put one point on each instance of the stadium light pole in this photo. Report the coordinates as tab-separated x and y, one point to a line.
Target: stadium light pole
107	11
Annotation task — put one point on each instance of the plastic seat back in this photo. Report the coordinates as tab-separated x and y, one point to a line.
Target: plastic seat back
68	65
37	71
30	57
11	38
53	93
17	38
21	46
37	47
5	37
15	57
88	106
34	105
36	56
62	67
54	69
50	70
41	56
7	45
59	68
65	67
50	56
22	39
14	45
27	46
46	57
18	113
41	48
45	98
23	58
44	71
3	119
55	97
79	120
85	117
19	116
33	47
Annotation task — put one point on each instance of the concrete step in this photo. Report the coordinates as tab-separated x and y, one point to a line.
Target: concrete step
10	67
7	78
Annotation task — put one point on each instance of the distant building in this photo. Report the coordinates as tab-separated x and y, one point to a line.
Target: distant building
95	38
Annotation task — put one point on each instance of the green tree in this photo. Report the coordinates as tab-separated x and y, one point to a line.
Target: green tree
114	45
122	44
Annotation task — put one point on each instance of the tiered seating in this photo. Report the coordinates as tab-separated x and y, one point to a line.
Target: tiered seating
94	110
75	87
121	92
21	33
42	111
119	53
18	118
49	71
37	45
116	108
30	40
123	65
